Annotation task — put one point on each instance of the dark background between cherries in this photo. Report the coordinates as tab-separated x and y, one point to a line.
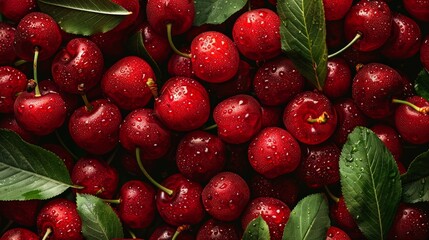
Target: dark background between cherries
244	170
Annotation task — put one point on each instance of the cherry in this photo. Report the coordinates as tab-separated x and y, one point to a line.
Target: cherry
78	67
178	14
96	129
156	45
417	9
349	117
137	204
405	39
214	57
372	20
273	152
37	31
96	177
62	153
277	81
183	206
335	233
106	40
410	222
19	234
165	232
336	9
213	229
8	121
71	100
15	11
339	78
256	34
40	115
7	36
132	6
21	212
411	122
12	82
310	118
59	220
225	196
424	53
273	211
125	83
343	219
180	66
141	129
238	118
200	155
320	165
391	139
183	104
374	86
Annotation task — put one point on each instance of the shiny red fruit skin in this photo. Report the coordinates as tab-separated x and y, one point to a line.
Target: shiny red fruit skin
62	217
155	44
273	211
125	83
19	234
166	232
373	19
40	30
96	177
335	233
137	204
214	229
214	57
179	13
97	130
23	213
310	105
418	9
142	129
132	6
225	196
78	67
8	121
338	80
238	118
180	66
183	104
16	10
184	206
412	125
12	82
390	138
256	34
7	36
411	222
40	115
342	218
336	9
424	53
274	152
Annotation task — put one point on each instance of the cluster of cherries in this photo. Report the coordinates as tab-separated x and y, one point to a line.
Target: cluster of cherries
232	131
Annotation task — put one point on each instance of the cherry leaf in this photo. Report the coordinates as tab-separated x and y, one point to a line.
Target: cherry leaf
257	229
421	84
99	221
84	17
303	36
370	182
415	182
309	219
215	11
28	171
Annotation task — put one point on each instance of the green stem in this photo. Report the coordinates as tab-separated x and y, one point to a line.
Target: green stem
88	105
321	119
36	58
112	156
133	236
357	37
139	162
114	201
77	187
153	87
210	127
170	41
19	62
179	230
424	110
65	146
47	233
332	196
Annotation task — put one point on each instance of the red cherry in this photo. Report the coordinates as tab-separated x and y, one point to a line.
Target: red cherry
156	45
165	232
257	34
410	222
16	10
180	66
8	121
391	139
213	229
343	219
418	9
335	233
132	6
19	234
21	212
12	82
339	78
336	9
7	36
424	53
214	57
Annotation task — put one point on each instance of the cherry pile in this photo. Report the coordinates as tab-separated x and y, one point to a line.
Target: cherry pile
223	129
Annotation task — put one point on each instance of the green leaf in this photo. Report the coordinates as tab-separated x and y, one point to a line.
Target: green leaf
84	17
99	221
415	182
257	229
370	182
309	219
28	171
136	47
216	11
421	84
303	36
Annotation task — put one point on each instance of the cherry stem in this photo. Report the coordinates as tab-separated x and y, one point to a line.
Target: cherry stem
47	233
77	187
19	62
36	58
179	230
321	119
424	110
88	105
153	87
170	41
65	146
139	162
331	195
114	201
133	236
357	37
112	156
210	127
